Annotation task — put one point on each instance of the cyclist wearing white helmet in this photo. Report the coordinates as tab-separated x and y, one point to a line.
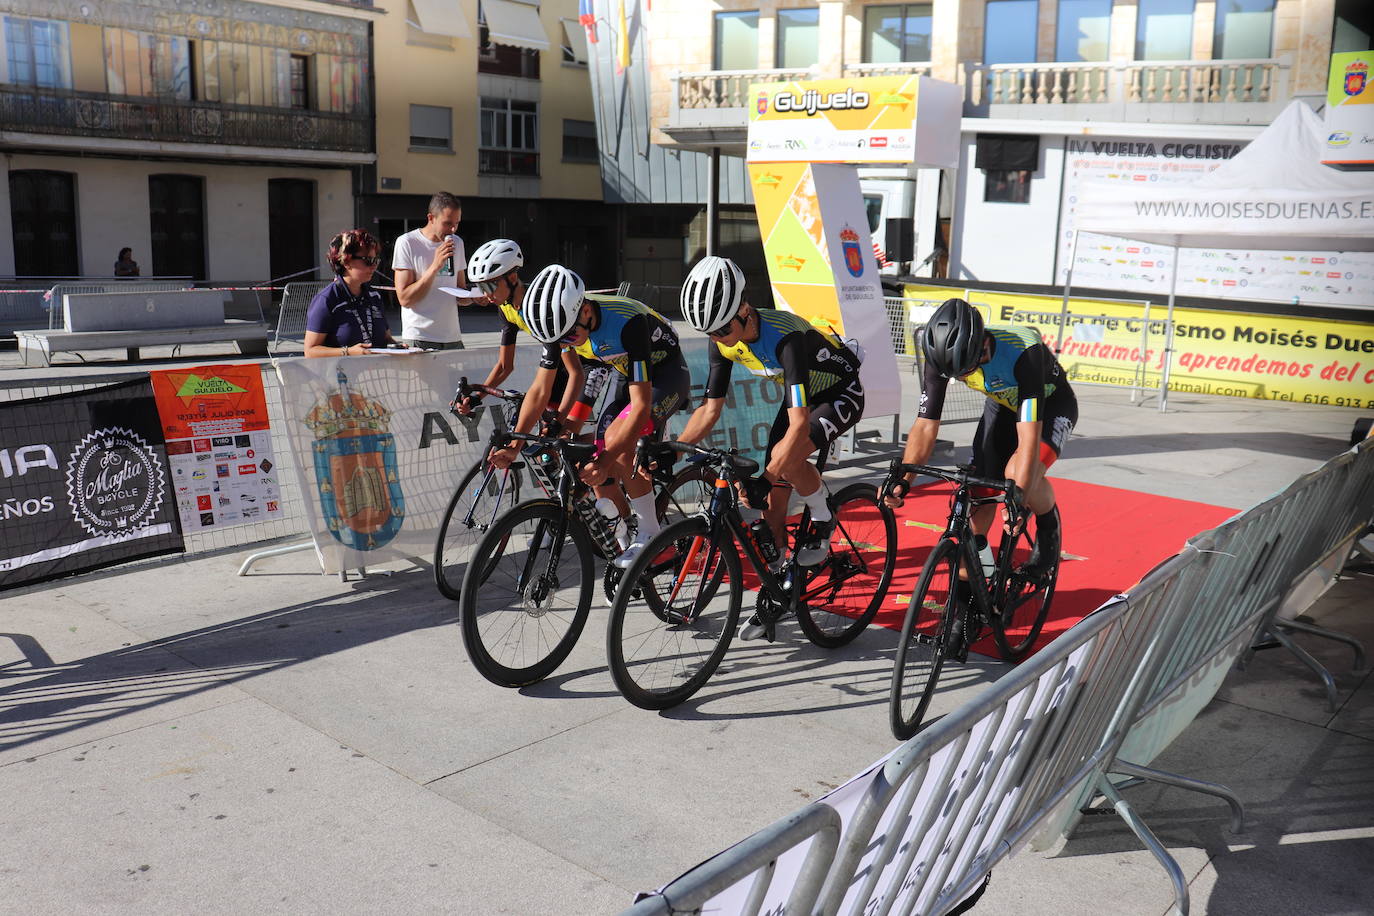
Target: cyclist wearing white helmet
819	374
495	269
641	347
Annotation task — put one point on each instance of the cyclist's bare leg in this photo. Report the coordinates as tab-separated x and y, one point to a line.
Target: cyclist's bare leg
803	477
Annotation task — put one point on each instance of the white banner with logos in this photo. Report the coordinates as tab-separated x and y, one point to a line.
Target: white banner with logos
377	450
1107	262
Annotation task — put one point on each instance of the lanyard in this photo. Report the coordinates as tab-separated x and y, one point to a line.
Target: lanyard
361	310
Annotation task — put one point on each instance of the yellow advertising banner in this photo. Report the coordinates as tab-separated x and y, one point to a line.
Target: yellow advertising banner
1350	110
856	120
821	264
1271	357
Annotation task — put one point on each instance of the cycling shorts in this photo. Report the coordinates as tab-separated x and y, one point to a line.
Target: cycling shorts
669	394
995	440
833	413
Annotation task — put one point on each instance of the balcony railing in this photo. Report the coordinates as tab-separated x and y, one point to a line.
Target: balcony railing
90	114
1184	82
728	88
915	68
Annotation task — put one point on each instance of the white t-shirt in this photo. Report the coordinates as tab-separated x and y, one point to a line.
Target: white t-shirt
435	317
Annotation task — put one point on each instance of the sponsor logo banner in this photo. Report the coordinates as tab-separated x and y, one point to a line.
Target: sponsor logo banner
84	483
870	119
227	404
1350	110
1272	357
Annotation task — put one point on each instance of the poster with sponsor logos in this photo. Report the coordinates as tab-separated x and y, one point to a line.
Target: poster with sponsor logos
1105	262
219	445
84	483
1350	111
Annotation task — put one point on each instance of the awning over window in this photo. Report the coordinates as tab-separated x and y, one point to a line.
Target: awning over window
575	37
440	17
510	22
1008	152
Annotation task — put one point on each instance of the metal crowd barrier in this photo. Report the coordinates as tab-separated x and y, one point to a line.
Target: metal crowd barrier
1013	766
295	301
905	318
54	296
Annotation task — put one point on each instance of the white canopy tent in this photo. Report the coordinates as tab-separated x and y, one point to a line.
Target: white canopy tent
1275	193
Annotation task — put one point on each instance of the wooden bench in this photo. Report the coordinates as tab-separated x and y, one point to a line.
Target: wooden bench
133	320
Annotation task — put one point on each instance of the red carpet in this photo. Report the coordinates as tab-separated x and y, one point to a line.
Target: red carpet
1111	539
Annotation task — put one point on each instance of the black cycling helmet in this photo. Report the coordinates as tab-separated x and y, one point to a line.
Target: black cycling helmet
953	338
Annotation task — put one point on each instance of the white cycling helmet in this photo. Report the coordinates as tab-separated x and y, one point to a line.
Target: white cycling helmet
551	303
712	293
494	259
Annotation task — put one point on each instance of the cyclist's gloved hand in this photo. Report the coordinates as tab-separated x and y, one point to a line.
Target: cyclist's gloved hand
896	486
659	456
756	490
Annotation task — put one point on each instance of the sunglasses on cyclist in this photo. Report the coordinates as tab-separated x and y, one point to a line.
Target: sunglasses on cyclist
488	286
726	328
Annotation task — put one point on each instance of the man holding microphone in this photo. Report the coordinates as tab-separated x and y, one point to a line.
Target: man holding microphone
426	259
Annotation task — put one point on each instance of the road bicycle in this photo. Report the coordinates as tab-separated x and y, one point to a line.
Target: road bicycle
528	586
483	494
676	610
954	597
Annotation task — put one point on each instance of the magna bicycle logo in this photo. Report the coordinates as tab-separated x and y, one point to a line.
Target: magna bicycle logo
115	482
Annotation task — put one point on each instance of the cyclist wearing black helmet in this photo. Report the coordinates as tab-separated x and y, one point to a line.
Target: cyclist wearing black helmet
1029	413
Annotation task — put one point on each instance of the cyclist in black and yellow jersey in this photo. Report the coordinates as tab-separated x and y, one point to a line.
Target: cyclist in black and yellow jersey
1029	414
641	348
495	268
823	397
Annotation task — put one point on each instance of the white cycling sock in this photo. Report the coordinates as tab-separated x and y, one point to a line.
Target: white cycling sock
648	516
820	510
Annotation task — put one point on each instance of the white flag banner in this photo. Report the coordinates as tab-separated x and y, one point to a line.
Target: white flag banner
377	451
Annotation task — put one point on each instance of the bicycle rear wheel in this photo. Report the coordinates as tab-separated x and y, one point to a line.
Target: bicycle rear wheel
483	495
845	591
925	637
521	612
1027	602
661	652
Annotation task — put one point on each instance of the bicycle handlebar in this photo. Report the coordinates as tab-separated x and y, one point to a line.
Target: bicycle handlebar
466	388
962	476
737	461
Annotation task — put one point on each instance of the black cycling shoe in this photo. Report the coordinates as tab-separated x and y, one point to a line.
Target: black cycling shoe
815	547
1044	555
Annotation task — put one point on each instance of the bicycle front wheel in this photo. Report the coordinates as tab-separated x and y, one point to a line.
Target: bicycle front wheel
847	588
483	495
1025	606
688	493
662	651
526	595
925	636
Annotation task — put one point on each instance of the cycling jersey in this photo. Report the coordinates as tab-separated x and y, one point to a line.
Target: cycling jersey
806	360
595	376
511	324
630	337
1021	376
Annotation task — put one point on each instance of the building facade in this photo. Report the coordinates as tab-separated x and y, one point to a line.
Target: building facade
220	140
1055	92
491	101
